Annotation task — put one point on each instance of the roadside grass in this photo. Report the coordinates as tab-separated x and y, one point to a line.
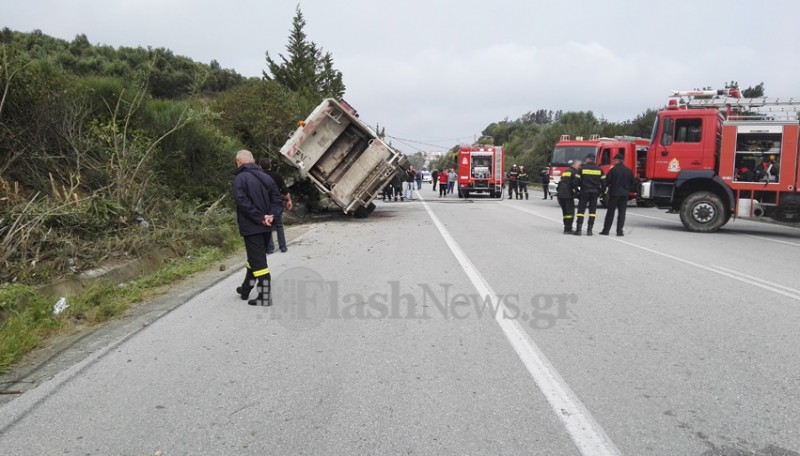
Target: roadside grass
27	319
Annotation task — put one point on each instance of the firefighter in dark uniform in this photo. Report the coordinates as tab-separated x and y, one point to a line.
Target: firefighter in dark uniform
592	183
522	183
620	184
566	191
255	194
545	179
513	176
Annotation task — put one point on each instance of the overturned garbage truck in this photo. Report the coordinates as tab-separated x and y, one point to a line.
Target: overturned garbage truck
343	157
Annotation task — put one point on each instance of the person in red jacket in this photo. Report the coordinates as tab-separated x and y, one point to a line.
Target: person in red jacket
443	183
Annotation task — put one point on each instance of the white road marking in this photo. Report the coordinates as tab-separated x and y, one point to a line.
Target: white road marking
781	290
766	283
738	234
772	240
584	431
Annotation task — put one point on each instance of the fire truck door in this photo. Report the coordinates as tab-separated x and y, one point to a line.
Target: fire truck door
680	147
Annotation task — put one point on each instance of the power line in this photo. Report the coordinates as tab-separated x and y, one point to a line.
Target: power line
407	144
403	140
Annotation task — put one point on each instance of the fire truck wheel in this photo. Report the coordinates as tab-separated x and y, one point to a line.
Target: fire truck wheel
703	212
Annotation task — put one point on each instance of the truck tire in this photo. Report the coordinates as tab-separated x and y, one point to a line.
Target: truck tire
703	212
361	212
492	194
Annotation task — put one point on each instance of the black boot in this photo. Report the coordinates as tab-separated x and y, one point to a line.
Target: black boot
578	228
249	282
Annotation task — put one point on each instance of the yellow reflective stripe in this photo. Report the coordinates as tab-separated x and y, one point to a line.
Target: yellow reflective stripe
592	172
566	174
591	215
261	272
567	216
580	215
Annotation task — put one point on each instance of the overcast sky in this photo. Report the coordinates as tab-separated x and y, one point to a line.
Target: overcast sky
438	72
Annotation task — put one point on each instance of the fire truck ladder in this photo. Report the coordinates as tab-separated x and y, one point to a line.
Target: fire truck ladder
731	101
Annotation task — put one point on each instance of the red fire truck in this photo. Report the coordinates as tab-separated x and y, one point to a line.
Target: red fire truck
717	155
567	150
480	170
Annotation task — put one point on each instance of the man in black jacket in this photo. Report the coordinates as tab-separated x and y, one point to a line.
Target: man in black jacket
566	190
286	199
545	179
620	184
592	183
255	194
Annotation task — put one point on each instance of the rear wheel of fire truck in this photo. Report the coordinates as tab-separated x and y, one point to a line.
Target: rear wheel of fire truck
703	212
492	194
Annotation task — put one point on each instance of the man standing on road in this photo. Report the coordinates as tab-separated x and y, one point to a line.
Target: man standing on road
545	179
443	176
285	200
620	184
567	190
411	177
592	183
522	183
512	175
253	192
435	178
451	180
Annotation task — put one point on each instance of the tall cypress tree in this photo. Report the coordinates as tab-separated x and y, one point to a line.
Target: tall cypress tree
306	70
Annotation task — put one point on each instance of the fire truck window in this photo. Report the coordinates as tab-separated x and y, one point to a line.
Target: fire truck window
688	130
605	157
758	157
666	135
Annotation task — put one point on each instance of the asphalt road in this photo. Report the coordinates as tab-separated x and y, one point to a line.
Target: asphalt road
447	326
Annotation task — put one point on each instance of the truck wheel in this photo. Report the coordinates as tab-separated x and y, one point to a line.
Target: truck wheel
370	208
703	212
492	194
361	212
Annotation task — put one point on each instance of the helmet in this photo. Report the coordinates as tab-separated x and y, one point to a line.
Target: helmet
772	157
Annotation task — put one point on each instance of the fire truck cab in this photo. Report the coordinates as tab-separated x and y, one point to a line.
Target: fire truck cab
603	149
480	170
713	158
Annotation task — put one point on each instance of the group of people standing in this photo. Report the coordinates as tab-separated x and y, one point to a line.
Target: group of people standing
446	178
586	182
517	182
